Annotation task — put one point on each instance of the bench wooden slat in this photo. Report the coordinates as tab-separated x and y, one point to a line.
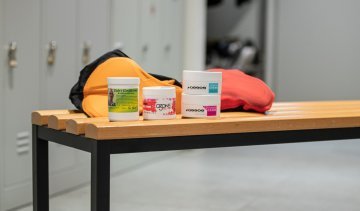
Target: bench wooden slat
103	132
282	116
58	121
317	115
311	112
163	128
77	126
41	117
314	107
316	103
294	112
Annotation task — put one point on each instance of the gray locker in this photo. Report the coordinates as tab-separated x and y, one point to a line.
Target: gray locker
2	49
41	81
58	67
149	39
136	28
125	27
171	42
150	32
93	30
21	94
93	41
51	37
58	25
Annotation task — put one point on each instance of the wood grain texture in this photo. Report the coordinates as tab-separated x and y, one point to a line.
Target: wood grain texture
41	117
77	126
325	105
283	116
58	121
315	103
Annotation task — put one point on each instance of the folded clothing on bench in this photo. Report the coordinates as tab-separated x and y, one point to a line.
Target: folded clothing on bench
90	93
241	91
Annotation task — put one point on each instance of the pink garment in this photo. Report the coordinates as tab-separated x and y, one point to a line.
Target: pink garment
240	90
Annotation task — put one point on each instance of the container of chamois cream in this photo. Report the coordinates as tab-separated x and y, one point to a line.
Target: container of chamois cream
123	98
202	82
200	106
159	102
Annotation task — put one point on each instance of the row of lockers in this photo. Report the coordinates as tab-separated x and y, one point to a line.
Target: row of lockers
45	45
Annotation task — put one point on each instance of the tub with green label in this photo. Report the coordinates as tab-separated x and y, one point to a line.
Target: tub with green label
123	98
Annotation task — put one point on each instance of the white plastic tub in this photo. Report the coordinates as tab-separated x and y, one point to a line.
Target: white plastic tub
202	82
200	106
123	98
159	102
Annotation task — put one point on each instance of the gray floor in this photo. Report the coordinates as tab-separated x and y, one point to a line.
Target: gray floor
307	176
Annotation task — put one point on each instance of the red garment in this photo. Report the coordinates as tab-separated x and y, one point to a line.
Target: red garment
240	90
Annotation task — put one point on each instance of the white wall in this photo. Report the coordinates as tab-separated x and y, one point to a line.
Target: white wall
316	50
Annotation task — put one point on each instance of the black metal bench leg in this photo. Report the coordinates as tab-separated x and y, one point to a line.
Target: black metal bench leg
100	178
40	156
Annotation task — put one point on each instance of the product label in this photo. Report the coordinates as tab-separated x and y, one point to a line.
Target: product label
159	107
213	88
201	88
211	110
123	100
199	111
197	87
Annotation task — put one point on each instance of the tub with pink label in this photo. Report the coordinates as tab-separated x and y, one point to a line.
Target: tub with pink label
159	102
200	106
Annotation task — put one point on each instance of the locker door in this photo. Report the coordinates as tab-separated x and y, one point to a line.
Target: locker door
57	78
2	168
20	24
58	25
125	27
93	30
94	34
149	35
171	29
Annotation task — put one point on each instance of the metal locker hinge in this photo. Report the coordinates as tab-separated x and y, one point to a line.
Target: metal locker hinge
51	53
86	53
12	62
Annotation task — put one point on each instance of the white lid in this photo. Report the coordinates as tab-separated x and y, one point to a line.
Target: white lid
123	80
200	99
191	75
159	90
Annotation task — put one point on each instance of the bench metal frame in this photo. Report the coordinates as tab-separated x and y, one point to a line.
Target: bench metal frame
102	149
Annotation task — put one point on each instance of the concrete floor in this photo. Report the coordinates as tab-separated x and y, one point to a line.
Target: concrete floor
306	176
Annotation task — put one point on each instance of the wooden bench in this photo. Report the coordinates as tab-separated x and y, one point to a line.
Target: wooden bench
286	122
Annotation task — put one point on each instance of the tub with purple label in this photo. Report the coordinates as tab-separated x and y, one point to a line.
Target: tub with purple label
200	106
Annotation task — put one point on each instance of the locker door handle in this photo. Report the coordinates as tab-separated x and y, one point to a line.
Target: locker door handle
145	48
12	61
86	53
51	53
167	47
